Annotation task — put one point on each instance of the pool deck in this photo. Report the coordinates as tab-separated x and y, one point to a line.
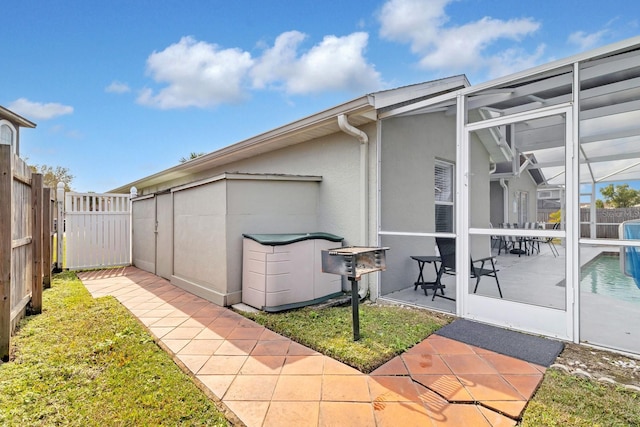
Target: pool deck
263	379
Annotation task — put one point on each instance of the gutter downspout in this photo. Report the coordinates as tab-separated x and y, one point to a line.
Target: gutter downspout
346	127
505	200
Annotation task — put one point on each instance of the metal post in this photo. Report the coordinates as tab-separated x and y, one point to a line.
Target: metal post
355	313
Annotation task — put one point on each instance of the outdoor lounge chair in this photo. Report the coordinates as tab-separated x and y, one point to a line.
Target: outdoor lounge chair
447	249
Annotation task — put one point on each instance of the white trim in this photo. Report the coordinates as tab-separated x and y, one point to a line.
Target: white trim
415	234
572	206
248	177
528	317
462	203
516	315
610	242
520	117
14	136
148	196
525	232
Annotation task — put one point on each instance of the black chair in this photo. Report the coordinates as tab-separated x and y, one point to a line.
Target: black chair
447	249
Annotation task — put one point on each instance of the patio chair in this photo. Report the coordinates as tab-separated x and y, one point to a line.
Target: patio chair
531	242
549	241
508	243
447	249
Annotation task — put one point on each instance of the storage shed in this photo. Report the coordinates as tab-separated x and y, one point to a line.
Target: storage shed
192	234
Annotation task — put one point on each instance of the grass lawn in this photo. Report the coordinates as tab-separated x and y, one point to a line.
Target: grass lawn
561	400
385	331
88	362
566	400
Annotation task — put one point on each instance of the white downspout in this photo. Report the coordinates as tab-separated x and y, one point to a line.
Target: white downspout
505	200
347	128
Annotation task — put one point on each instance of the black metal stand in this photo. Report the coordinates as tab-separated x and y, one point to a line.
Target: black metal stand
355	310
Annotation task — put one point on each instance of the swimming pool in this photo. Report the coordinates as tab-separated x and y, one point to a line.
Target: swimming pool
602	276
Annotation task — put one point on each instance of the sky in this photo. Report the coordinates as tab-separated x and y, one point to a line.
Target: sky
122	89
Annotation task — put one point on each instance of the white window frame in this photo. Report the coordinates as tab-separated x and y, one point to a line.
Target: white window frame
14	134
450	198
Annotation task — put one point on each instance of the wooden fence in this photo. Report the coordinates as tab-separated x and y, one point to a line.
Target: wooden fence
25	243
607	220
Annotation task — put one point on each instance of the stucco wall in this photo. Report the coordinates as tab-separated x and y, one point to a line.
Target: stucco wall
410	147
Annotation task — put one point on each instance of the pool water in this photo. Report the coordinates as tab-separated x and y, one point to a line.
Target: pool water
602	276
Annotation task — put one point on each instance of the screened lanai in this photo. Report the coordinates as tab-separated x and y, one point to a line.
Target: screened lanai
480	165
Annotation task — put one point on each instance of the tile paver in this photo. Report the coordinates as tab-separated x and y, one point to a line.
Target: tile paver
266	379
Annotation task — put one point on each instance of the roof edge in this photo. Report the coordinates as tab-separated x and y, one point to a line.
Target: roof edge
16	118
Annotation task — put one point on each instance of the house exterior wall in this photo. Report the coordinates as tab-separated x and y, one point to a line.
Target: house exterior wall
336	159
409	149
479	198
410	145
497	204
523	183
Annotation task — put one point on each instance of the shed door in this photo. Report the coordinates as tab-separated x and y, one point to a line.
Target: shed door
536	283
143	233
164	235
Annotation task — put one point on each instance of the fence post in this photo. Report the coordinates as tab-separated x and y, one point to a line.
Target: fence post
6	220
46	237
36	241
133	193
61	225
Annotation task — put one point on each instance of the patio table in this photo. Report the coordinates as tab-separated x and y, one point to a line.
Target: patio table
422	261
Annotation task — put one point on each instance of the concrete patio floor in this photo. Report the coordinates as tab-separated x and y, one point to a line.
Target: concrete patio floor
538	279
265	379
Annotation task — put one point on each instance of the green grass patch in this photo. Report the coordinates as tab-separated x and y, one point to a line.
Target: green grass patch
88	362
567	400
385	331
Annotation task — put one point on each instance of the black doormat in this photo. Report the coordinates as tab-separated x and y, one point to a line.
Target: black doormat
533	349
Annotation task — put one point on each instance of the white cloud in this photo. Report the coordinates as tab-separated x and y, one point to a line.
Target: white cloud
513	60
39	110
196	74
199	74
424	25
276	63
336	63
586	41
117	87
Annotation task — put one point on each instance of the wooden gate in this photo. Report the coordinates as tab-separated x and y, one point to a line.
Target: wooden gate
97	230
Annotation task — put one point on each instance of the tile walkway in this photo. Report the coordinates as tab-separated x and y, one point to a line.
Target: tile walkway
265	379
